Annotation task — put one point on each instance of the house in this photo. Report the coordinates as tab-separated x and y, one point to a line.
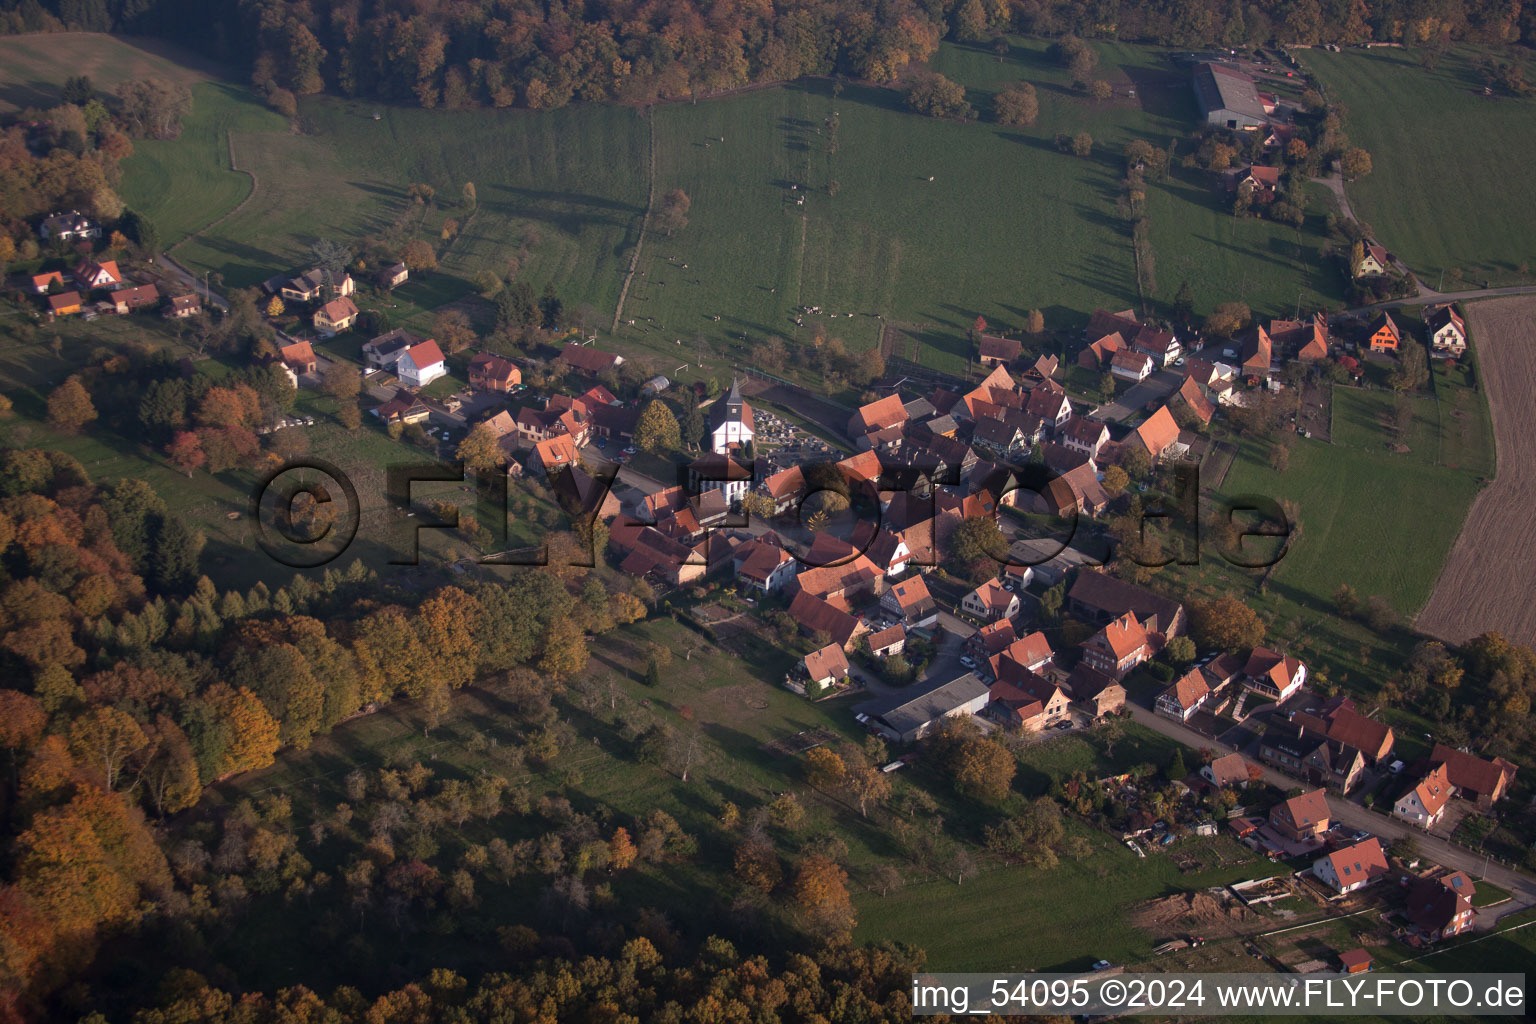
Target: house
91	275
335	316
1187	695
910	601
1227	97
1094	356
870	421
552	453
403	408
1262	183
1128	364
888	642
581	493
393	276
385	350
64	304
1301	818
1041	371
1098	597
1384	334
1351	867
182	306
1447	331
1032	652
783	488
646	550
1229	771
493	373
298	357
884	547
1001	437
1482	781
1309	753
68	226
996	351
817	615
1028	700
1441	907
135	297
730	422
1273	675
1094	692
420	365
1190	397
1374	262
990	602
1258	353
1424	804
1119	647
588	360
1162	346
764	566
906	719
1343	723
42	282
1307	340
1084	435
826	666
1157	435
1355	961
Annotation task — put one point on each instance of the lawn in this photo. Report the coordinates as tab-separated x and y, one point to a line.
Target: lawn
1348	532
33	67
186	183
1439	195
1007	222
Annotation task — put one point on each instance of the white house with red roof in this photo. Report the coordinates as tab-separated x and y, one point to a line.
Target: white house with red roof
1351	867
421	364
730	422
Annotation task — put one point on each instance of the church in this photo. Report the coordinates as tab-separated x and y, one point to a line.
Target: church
730	423
726	467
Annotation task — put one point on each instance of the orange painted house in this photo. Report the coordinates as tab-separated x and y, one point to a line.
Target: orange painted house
1384	334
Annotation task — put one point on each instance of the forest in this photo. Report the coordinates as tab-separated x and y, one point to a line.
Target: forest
540	55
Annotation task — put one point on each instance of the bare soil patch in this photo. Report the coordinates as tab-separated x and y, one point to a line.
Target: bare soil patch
1485	584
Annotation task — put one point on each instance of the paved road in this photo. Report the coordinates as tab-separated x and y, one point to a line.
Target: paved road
1427	296
1160	385
1522	887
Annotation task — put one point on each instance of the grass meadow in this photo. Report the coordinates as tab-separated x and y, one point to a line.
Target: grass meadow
34	67
1006	224
1447	162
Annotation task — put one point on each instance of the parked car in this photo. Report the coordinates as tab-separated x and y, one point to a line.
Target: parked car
1065	724
968	661
1134	848
1102	965
631	450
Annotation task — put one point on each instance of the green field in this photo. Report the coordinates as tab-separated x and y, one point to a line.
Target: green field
1364	508
1007	223
1446	162
186	183
33	67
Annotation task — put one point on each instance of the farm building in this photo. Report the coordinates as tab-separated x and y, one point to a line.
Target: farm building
906	719
1227	97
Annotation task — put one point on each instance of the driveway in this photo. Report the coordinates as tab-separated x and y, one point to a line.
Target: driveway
1522	887
1160	385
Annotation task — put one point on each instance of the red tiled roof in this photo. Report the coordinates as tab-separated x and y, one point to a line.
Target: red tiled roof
887	637
1157	432
1362	860
1192	397
994	347
1124	636
1467	771
425	354
1308	809
910	593
887	412
1189	689
817	616
1230	770
828	663
299	354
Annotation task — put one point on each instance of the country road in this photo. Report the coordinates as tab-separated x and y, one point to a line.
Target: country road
193	282
1521	887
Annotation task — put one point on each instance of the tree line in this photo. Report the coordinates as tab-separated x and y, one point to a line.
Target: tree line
547	54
